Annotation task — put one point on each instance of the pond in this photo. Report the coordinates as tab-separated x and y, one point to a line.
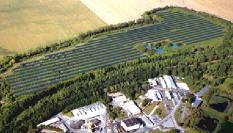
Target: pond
207	124
219	103
227	127
149	47
221	107
159	51
174	45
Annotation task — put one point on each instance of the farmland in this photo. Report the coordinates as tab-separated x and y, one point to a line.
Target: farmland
28	24
112	49
109	11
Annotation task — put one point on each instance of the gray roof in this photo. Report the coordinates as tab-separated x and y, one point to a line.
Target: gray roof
202	91
197	102
77	124
132	121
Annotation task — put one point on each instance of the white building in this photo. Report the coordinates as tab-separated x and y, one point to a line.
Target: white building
163	83
183	86
118	99
147	121
131	124
197	102
202	91
174	102
169	82
154	95
50	121
153	82
175	97
131	108
89	111
54	122
168	95
63	127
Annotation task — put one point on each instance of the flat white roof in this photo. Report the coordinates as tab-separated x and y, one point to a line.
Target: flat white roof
197	102
119	99
169	81
131	107
89	110
168	95
202	91
147	121
162	81
117	94
50	121
183	86
154	95
152	81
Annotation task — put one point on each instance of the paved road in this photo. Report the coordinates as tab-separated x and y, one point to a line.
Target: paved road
172	115
184	111
70	130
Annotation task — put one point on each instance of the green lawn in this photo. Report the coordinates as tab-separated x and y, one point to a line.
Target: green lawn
210	42
218	99
164	111
69	114
228	83
149	108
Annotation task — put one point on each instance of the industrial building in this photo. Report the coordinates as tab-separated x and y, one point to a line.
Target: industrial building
154	95
182	86
147	121
132	124
169	82
168	95
54	122
202	91
197	102
131	108
118	99
163	83
89	111
77	124
50	121
153	82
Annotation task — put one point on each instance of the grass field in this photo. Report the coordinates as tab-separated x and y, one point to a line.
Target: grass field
149	108
27	24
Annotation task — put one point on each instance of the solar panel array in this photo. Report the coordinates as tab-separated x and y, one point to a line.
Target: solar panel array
114	49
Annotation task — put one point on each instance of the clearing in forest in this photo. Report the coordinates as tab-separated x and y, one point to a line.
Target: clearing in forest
111	49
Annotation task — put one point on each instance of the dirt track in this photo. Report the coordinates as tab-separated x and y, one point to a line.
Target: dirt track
116	11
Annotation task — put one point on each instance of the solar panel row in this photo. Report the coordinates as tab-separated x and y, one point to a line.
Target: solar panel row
115	48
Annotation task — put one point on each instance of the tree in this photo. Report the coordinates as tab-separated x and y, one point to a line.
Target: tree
145	102
174	131
158	111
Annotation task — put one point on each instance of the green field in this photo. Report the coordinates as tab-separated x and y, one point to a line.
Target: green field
149	108
28	24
